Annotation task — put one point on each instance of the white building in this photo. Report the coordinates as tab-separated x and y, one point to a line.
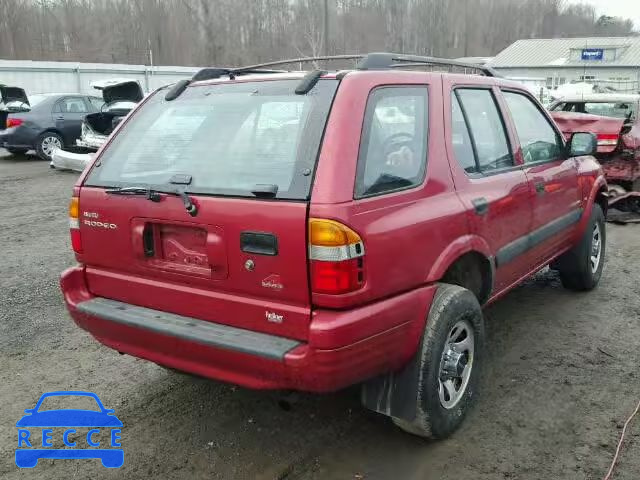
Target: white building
612	63
70	77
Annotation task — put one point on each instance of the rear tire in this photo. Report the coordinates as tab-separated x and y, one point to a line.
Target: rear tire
452	343
581	267
17	151
47	143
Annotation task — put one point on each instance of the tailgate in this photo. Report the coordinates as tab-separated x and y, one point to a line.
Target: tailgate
240	262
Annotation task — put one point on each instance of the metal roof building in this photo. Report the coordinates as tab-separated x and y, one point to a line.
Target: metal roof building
612	62
50	77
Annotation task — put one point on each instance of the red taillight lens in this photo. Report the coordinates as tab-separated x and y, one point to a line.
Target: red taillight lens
74	224
336	277
336	255
607	139
76	241
14	122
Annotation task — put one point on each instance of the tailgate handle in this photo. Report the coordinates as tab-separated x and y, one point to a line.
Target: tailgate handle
259	243
148	245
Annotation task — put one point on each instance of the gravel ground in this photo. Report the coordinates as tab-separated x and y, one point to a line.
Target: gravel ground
561	376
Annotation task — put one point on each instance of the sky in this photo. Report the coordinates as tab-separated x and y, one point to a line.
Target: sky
617	8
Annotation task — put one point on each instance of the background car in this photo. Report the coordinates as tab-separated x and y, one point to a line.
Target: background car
615	120
120	96
53	121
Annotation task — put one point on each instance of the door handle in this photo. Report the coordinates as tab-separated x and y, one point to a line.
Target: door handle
480	205
540	190
60	117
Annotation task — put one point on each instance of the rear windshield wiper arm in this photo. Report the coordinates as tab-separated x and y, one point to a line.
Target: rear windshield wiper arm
154	196
150	194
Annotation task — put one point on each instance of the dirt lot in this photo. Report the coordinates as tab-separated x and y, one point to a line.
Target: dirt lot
552	402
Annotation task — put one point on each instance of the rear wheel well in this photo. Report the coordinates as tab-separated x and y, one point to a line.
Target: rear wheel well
52	130
471	271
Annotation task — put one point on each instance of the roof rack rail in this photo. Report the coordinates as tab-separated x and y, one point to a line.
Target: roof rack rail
211	73
371	61
384	61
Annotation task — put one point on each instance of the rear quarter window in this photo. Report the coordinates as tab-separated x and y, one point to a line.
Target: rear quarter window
393	148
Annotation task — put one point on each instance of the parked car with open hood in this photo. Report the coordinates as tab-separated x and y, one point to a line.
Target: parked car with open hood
120	96
49	122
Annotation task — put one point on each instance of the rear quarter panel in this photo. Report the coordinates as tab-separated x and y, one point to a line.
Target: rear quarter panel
405	233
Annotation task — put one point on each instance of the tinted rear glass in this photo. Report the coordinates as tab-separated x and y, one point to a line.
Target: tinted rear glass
227	137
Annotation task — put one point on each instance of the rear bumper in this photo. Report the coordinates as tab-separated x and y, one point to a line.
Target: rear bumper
343	348
15	138
70	161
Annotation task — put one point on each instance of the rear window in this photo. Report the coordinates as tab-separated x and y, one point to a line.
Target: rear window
36	99
227	137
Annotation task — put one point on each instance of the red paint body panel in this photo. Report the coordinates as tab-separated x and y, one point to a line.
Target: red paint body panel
220	288
344	347
410	237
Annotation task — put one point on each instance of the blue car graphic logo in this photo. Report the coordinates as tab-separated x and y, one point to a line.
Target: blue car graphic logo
31	447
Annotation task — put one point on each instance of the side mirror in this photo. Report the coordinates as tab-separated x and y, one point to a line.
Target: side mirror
583	143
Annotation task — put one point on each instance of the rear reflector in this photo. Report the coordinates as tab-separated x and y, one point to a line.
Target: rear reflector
14	122
607	140
74	224
336	255
76	241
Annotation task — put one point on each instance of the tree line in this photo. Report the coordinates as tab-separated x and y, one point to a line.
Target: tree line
237	32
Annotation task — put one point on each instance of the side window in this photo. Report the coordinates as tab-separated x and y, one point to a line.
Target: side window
73	105
393	149
96	102
460	138
538	139
487	131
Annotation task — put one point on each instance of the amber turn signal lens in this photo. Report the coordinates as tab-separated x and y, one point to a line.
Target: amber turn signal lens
329	233
74	208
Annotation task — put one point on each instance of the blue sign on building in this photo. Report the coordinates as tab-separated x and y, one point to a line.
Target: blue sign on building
593	54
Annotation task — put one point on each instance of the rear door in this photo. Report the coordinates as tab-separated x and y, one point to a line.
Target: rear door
68	114
243	153
489	179
553	177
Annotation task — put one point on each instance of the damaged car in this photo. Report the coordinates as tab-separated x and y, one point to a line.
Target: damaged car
615	120
120	95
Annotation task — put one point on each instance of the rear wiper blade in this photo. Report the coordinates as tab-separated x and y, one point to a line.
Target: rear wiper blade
154	196
150	194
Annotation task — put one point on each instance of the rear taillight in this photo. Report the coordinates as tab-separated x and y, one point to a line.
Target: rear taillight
336	256
14	122
607	139
74	224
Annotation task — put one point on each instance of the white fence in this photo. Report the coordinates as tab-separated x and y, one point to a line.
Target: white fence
69	77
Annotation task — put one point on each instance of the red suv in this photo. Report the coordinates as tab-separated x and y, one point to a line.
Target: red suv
310	231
